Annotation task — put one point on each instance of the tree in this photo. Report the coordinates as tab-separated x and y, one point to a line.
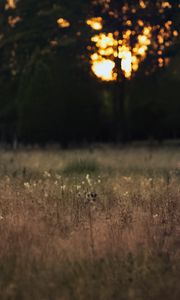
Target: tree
8	82
30	33
135	38
48	60
43	52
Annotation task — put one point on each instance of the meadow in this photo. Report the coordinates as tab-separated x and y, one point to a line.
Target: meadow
99	223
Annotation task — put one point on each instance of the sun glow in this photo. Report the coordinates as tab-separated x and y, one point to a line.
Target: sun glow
10	4
13	21
63	23
142	4
109	48
124	49
103	68
95	23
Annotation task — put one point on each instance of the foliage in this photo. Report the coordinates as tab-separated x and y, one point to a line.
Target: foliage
47	92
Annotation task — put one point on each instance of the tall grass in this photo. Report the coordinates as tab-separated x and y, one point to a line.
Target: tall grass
112	233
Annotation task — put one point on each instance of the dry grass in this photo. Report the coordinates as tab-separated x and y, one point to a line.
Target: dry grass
99	224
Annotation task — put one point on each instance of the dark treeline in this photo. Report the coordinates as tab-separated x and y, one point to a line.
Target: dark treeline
48	94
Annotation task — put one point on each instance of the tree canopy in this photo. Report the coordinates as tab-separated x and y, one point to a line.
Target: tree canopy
50	52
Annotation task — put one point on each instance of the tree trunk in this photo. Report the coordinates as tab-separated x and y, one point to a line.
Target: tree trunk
119	110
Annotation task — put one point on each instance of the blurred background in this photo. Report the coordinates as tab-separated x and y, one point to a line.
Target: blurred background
50	89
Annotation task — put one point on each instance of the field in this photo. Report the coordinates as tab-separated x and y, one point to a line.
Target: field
90	224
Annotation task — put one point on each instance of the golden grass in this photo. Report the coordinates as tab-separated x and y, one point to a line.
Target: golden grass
109	234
